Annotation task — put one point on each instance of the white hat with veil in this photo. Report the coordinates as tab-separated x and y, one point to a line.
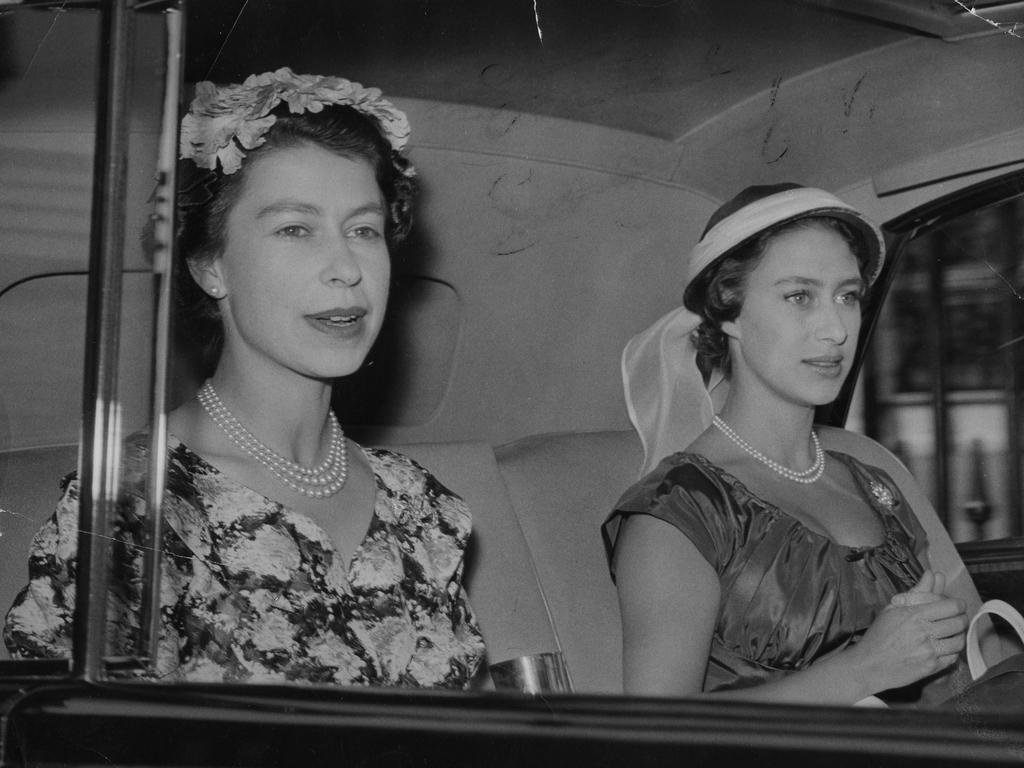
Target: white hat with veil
669	401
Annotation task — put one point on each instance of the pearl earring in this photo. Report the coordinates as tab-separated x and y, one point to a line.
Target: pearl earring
214	290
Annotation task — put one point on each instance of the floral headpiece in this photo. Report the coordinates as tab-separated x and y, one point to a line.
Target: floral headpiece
222	122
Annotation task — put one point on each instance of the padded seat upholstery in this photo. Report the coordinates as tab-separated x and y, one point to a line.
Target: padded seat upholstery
562	487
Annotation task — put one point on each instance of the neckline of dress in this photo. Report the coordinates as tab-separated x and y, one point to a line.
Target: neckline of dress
206	463
282	508
885	516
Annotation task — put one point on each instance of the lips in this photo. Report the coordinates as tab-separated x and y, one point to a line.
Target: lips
826	365
340	315
338	321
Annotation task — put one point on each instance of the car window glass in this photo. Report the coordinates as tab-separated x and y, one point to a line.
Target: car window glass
944	383
49	69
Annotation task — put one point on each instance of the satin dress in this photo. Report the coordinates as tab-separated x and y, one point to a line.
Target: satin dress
789	595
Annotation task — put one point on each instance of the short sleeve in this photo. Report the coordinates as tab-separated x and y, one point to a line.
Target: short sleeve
689	497
38	625
436	521
431	526
40	622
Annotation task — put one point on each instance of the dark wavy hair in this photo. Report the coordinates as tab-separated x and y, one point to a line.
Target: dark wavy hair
208	197
717	293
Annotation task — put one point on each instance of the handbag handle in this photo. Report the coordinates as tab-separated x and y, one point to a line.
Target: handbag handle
975	662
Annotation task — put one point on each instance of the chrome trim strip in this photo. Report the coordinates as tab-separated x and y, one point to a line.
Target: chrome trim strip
163	271
101	433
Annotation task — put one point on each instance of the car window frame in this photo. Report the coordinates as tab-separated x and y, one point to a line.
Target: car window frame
687	723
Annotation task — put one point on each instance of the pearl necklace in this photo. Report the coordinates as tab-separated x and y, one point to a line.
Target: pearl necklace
809	475
319	482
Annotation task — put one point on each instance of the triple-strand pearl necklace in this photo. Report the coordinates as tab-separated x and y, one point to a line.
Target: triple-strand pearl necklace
319	482
807	476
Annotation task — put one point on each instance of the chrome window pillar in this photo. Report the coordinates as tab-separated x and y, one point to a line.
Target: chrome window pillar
101	433
99	470
163	275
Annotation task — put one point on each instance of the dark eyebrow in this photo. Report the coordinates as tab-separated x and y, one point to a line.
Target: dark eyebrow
798	280
368	208
288	206
297	206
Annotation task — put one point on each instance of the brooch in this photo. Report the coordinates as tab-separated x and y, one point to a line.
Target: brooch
882	495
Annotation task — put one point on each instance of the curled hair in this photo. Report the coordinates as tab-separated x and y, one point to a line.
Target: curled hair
717	293
202	234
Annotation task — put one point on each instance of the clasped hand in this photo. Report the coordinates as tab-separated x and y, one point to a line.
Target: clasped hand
920	632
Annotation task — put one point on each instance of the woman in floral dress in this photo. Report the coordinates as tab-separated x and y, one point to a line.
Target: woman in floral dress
290	553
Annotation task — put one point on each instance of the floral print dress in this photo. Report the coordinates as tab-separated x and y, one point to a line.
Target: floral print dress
254	592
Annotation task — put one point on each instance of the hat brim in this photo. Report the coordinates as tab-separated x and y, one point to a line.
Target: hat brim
749	222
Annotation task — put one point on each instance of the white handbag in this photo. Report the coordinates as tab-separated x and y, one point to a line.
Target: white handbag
975	661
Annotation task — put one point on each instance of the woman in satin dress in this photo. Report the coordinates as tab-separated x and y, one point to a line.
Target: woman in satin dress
749	561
